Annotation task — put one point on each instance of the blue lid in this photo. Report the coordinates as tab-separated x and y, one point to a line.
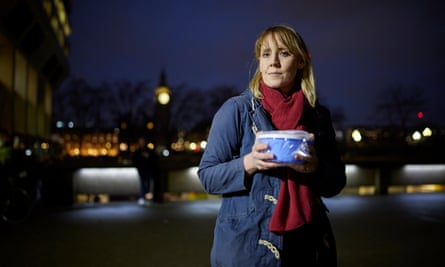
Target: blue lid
288	134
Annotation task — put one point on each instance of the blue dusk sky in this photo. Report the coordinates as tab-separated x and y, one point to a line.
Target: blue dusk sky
359	48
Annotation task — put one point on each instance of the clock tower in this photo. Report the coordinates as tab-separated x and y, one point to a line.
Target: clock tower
162	116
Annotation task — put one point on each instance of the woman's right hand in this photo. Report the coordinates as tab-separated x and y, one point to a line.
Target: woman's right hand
258	160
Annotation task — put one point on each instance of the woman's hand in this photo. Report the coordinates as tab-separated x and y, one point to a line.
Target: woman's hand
310	161
258	160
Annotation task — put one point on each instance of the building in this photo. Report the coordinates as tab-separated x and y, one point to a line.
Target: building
34	48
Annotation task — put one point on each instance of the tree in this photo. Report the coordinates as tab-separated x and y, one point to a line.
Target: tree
109	105
104	106
399	104
193	108
74	102
132	103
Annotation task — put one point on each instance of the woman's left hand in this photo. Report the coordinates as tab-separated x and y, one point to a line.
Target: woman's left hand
309	162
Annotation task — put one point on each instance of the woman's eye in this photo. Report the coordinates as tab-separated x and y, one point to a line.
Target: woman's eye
285	53
265	54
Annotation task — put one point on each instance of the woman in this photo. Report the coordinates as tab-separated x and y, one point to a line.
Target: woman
271	213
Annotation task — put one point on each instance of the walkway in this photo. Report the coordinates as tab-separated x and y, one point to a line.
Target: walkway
372	231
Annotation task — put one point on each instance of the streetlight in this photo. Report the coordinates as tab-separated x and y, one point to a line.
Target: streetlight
356	136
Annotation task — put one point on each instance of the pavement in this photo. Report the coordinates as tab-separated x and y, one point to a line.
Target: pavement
372	231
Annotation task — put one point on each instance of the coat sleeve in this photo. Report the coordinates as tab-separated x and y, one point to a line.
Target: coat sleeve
221	169
331	175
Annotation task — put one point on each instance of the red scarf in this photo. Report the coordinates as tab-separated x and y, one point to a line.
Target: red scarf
296	203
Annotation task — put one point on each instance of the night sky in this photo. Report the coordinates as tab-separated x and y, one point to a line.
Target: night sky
359	48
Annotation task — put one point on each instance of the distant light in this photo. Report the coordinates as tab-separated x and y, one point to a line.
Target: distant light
44	146
416	136
123	146
59	124
427	132
151	146
103	151
192	171
421	169
165	153
71	124
425	188
356	136
192	146
28	152
150	125
420	115
351	169
203	144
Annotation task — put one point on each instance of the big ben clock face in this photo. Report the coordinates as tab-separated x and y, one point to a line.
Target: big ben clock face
163	98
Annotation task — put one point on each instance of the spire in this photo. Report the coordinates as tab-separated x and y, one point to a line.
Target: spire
162	78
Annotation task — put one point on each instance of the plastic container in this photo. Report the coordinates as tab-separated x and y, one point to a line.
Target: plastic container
286	144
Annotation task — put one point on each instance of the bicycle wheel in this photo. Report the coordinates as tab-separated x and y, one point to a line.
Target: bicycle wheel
17	207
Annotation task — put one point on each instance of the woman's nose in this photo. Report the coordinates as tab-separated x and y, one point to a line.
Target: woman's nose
275	61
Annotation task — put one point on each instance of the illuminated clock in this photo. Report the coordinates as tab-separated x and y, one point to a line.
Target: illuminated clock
163	95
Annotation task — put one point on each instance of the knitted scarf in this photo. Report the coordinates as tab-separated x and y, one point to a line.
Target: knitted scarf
296	203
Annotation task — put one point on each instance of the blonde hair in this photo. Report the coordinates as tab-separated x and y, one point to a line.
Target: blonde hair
293	41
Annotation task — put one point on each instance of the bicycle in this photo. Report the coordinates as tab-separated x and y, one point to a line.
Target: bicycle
16	203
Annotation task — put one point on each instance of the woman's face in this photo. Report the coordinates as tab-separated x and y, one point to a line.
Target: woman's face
277	65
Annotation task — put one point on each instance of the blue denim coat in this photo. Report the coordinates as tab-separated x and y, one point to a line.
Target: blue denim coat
241	236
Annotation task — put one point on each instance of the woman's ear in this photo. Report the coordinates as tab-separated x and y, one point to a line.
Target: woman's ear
301	64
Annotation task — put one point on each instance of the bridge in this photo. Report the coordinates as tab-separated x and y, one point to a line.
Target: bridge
369	169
